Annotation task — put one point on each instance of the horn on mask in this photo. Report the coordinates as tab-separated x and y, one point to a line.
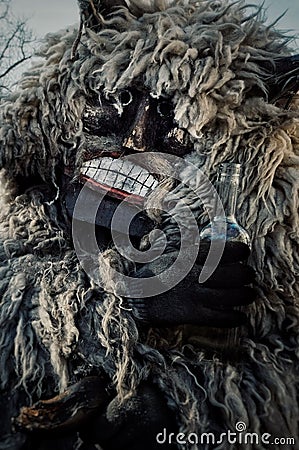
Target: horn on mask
139	7
91	10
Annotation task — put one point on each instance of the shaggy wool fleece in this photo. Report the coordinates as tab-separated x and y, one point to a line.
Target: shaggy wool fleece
56	325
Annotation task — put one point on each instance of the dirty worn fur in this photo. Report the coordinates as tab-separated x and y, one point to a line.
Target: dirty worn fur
55	324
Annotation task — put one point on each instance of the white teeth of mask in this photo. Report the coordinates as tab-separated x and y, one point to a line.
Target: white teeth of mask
120	174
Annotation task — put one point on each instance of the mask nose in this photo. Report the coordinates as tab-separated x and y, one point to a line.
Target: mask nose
138	136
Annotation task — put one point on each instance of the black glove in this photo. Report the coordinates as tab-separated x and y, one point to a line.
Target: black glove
209	304
134	424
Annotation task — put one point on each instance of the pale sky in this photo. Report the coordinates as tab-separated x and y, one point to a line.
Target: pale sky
51	15
45	16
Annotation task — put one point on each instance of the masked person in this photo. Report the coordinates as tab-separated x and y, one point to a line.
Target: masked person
85	361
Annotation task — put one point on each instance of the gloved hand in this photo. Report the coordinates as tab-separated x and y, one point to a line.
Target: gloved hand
209	304
134	424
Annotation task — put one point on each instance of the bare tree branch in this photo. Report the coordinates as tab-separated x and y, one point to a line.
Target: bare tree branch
4	9
16	45
13	66
9	41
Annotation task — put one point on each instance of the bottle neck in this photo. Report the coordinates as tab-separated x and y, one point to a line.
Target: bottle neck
227	187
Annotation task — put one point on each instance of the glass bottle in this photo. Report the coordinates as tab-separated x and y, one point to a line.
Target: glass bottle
224	225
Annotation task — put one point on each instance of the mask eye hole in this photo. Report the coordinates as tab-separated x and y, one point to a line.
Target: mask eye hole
125	97
164	109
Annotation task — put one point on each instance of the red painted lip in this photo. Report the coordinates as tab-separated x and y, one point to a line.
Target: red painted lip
88	156
116	193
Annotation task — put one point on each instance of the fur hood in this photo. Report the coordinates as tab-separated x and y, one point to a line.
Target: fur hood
208	58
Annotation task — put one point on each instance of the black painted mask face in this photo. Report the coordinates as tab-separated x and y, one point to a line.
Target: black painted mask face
135	122
130	122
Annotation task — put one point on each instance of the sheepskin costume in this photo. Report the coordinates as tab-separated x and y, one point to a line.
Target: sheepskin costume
57	326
